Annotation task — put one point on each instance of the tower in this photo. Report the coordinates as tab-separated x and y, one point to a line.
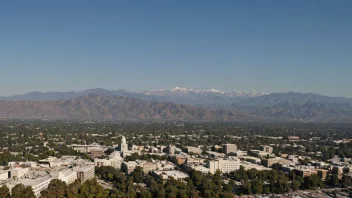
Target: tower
124	146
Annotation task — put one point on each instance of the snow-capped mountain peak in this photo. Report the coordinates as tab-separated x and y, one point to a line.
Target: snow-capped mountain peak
177	91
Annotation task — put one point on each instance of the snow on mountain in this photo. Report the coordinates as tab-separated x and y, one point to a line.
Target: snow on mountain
177	91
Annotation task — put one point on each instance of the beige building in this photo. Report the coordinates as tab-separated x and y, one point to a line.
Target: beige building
195	150
148	166
128	167
277	160
267	149
19	172
229	148
224	165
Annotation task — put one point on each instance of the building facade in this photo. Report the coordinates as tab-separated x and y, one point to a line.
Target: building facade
229	148
223	165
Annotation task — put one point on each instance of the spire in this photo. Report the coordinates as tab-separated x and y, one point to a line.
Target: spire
123	141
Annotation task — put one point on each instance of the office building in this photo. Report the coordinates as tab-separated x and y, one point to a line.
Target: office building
229	148
224	165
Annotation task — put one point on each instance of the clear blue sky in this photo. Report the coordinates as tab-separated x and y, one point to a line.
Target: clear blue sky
268	46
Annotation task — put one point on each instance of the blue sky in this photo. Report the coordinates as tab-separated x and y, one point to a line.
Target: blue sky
268	46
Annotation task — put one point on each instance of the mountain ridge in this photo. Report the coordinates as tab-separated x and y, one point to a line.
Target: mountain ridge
99	104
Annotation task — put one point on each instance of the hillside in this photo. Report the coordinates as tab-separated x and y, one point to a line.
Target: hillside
99	107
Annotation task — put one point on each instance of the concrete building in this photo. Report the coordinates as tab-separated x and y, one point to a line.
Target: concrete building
37	184
26	164
322	173
97	152
267	149
195	150
171	149
114	160
189	167
86	148
68	176
229	148
4	174
224	165
167	174
277	160
248	166
85	173
19	172
305	172
293	138
148	166
215	154
128	167
251	159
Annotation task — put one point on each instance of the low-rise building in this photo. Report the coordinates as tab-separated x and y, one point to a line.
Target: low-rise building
147	166
4	174
19	172
277	160
249	166
37	184
129	166
195	150
115	160
167	174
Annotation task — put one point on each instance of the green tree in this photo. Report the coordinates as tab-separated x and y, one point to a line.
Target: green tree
4	191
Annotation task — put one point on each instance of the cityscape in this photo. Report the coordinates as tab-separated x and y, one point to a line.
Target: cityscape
174	159
176	99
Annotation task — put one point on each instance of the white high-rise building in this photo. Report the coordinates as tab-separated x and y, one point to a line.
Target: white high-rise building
224	165
124	146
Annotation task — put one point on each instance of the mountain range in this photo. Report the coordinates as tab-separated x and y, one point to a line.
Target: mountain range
177	104
176	95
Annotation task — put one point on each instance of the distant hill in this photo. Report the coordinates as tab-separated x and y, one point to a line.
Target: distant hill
297	106
101	107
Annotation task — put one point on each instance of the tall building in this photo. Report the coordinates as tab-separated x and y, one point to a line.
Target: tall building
85	173
267	149
229	148
124	146
224	165
171	149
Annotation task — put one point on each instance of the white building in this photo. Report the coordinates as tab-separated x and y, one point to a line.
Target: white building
19	172
68	176
85	173
124	146
26	164
224	165
195	150
38	184
115	160
178	175
4	174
